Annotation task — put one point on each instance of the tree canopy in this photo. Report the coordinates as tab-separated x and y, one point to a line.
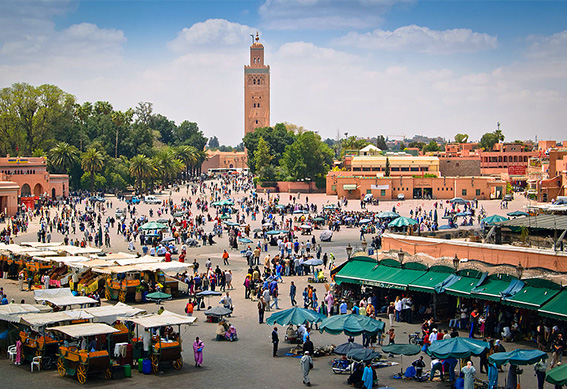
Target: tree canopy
489	139
277	139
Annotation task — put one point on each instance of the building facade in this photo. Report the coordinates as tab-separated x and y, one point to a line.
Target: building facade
256	90
33	180
219	161
401	164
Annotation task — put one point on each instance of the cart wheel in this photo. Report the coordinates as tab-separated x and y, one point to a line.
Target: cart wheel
108	373
178	363
155	363
61	367
82	374
122	296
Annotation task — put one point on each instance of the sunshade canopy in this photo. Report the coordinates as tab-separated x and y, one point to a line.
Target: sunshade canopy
343	349
428	281
402	221
295	316
402	349
165	319
387	214
556	307
457	348
207	293
517	357
534	294
153	226
351	325
158	296
313	262
491	288
85	329
218	311
557	375
493	219
363	354
37	320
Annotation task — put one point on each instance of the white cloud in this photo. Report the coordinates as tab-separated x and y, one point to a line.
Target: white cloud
212	33
421	40
548	47
325	14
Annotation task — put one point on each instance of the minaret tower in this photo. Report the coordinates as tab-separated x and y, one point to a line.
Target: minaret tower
256	89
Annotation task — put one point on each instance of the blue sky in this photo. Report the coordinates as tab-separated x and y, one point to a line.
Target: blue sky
366	67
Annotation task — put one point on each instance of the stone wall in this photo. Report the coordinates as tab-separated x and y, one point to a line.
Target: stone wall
458	167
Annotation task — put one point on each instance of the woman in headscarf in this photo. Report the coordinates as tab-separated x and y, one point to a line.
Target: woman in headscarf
198	351
492	376
469	372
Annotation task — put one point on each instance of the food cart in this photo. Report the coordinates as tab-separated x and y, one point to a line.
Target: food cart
165	344
123	282
62	298
74	358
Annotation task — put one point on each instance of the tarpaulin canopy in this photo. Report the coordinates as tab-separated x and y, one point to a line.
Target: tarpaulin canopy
457	348
43	294
493	219
557	375
363	354
428	281
534	294
153	226
218	311
387	214
85	329
556	307
447	282
66	301
13	312
365	271
491	288
351	325
343	349
462	287
402	349
517	357
295	316
37	320
109	313
402	221
165	319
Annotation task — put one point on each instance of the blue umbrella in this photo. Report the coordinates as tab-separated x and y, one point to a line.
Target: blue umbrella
365	221
244	240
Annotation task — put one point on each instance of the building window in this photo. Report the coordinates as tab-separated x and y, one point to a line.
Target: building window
478	192
368	191
395	169
414	169
254	105
382	192
333	188
405	169
258	105
464	192
256	121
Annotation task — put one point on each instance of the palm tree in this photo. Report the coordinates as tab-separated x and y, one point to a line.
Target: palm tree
63	156
187	155
142	168
92	162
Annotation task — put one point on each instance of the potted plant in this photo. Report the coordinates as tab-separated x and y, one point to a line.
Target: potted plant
138	295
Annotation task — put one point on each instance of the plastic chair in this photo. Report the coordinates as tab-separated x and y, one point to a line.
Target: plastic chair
12	352
36	361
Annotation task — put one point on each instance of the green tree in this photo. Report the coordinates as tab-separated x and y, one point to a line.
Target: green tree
142	169
419	145
263	157
307	158
187	155
461	138
381	143
277	139
214	143
92	161
387	172
165	127
489	139
431	146
402	146
188	133
63	156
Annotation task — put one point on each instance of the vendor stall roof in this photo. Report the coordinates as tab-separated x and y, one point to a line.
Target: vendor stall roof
540	222
428	281
556	307
66	301
59	259
42	244
531	297
114	256
85	329
13	312
42	294
74	250
37	320
154	266
165	319
110	313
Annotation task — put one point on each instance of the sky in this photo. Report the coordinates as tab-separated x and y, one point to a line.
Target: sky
359	67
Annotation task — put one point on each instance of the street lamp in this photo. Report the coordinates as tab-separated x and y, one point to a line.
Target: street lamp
364	245
401	255
456	262
519	271
348	251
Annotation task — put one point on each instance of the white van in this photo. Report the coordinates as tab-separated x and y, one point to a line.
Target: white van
152	200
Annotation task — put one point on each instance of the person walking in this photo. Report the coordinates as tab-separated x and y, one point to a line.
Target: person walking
368	376
306	365
540	368
261	309
292	293
275	342
275	296
225	257
198	351
391	313
493	376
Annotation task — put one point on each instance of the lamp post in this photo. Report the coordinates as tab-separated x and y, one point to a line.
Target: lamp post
401	255
364	245
456	262
519	271
348	251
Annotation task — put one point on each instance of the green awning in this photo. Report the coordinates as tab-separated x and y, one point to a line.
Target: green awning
463	287
365	272
531	297
349	187
490	289
556	307
427	282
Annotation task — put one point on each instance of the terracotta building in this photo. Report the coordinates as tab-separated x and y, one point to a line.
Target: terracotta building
256	90
509	158
218	161
33	181
401	164
354	185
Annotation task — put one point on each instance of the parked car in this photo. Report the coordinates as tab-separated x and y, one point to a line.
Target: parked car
508	197
152	200
401	196
132	199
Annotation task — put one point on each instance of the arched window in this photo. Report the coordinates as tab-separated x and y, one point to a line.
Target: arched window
26	190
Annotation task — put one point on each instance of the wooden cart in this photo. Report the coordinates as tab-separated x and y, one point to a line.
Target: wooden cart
124	289
164	349
80	362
